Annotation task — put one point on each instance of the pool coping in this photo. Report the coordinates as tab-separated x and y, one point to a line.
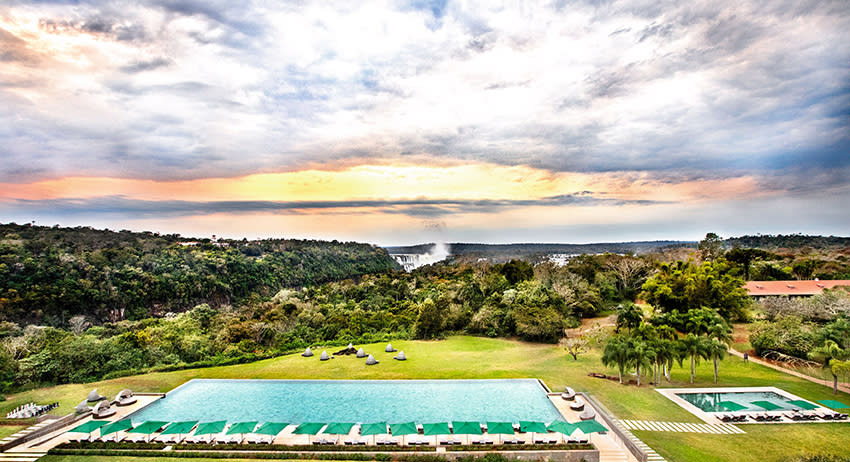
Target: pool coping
709	417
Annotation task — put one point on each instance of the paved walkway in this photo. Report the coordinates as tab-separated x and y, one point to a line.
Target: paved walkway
29	456
828	383
656	426
651	455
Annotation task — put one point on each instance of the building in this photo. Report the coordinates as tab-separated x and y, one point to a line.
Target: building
758	289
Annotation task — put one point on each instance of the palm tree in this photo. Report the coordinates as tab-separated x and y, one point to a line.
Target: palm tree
695	348
721	337
832	357
667	349
640	354
716	351
616	353
629	316
664	356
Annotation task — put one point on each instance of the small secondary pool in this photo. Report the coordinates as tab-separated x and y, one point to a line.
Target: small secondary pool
742	401
296	401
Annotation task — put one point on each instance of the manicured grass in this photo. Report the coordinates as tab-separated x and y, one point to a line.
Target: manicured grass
474	357
760	443
6	430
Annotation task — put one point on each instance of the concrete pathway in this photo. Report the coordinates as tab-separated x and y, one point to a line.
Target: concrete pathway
828	383
683	427
651	455
28	456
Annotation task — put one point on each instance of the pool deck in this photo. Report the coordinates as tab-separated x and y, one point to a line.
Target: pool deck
609	449
713	417
61	435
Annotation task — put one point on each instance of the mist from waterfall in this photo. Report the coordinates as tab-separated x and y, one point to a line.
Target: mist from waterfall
410	261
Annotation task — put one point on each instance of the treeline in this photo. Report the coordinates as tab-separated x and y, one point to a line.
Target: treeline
788	241
50	275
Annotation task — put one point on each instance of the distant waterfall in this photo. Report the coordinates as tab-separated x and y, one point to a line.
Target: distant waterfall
411	261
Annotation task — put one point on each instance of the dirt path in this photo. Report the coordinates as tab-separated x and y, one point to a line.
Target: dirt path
828	383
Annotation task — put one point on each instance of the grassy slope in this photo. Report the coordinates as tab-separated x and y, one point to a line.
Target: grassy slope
472	357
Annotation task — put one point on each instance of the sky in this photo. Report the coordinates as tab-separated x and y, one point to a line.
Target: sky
400	122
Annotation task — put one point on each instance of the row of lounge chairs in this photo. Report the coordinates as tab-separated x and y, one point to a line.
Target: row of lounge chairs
177	439
793	416
324	442
815	415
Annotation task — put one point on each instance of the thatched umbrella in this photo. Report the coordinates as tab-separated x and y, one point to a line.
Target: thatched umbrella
400	356
361	353
324	356
82	407
307	353
371	361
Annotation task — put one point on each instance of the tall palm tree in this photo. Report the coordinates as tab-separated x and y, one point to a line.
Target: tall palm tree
695	348
616	353
664	355
716	351
721	337
667	351
832	357
640	354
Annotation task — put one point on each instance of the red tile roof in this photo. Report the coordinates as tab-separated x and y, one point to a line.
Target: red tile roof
762	288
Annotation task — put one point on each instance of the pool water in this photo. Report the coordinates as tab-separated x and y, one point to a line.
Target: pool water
710	402
296	401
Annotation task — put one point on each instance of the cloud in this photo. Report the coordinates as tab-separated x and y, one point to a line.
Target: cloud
180	89
148	65
13	49
421	207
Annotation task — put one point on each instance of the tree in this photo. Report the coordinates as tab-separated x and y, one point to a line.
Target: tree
640	354
711	247
701	320
630	273
617	353
720	335
745	258
684	286
575	346
804	269
830	355
429	323
629	316
516	271
716	350
695	348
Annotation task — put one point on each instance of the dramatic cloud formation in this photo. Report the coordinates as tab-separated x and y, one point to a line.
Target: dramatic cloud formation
558	121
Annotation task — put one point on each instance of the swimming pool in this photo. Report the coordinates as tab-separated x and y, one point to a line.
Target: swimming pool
742	401
296	401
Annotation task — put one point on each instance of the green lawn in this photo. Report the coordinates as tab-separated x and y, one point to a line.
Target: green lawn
474	357
6	430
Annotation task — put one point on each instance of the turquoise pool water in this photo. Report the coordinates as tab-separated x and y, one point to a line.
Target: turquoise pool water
296	401
710	402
